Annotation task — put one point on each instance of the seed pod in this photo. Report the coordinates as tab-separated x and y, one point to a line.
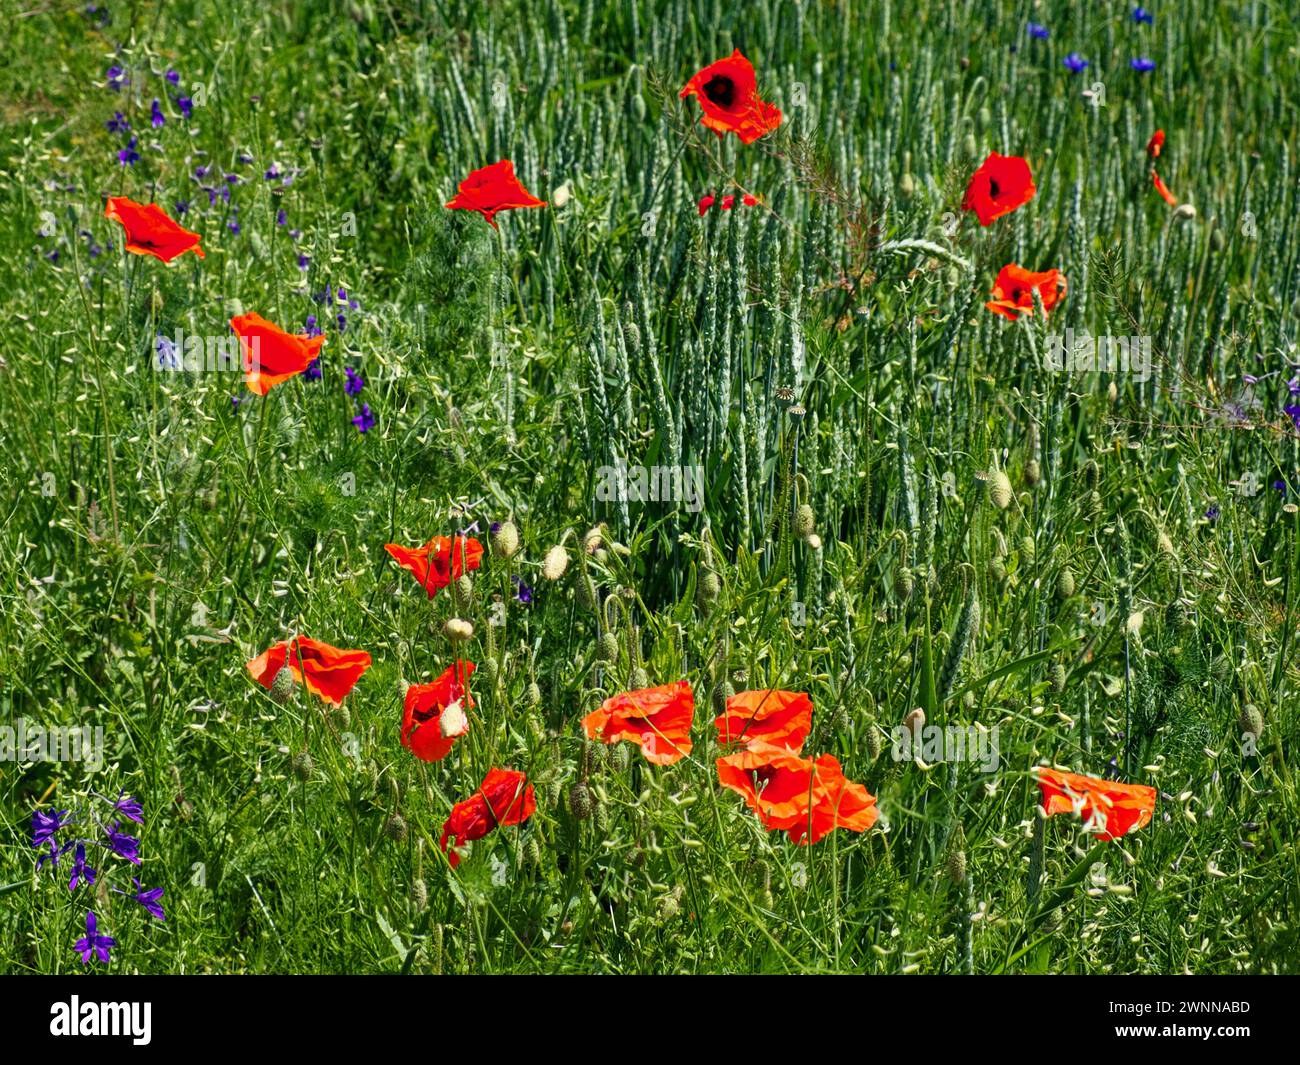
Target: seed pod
533	694
956	864
1064	583
1251	721
639	679
1033	473
505	541
395	828
555	563
1057	675
804	522
458	630
1000	489
302	765
721	693
903	583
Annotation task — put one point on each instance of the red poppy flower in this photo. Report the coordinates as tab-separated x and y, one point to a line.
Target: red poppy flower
1163	189
149	231
439	562
1156	142
271	355
491	189
728	94
328	672
1110	809
1000	185
659	719
728	202
806	798
1013	291
504	798
781	718
426	733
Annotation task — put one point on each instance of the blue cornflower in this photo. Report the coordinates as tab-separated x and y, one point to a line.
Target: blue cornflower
46	823
128	156
1038	31
93	943
121	844
1142	64
354	384
118	123
1075	62
365	420
117	78
81	872
1141	14
156	118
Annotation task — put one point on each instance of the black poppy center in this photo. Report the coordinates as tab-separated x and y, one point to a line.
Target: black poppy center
720	90
994	191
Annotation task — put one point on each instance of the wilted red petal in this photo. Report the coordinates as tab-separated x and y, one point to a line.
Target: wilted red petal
439	562
271	355
1112	808
1163	189
504	798
1156	142
423	709
659	719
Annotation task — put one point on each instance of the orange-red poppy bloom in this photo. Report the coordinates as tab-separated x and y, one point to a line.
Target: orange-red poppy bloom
728	202
777	717
1000	185
728	94
1109	808
271	355
807	798
328	672
1163	189
659	719
149	231
426	732
439	562
1156	142
504	798
491	189
1013	291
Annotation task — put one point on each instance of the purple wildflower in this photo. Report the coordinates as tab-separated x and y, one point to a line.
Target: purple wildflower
304	260
1038	31
186	105
182	206
93	943
313	371
167	360
117	78
81	872
121	844
281	219
354	383
173	77
1293	411
1141	14
364	421
1075	63
156	118
118	123
46	823
1213	512
149	899
272	172
128	156
1142	64
127	805
313	330
523	592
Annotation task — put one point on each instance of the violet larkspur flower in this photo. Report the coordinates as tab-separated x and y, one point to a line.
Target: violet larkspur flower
117	78
156	118
121	844
167	360
281	219
313	330
1075	62
182	206
118	123
1038	31
342	323
1213	512
233	224
1141	14
93	943
1280	486
1142	64
200	172
56	852
313	371
45	823
1293	386
127	805
173	77
364	421
272	172
128	156
149	899
354	383
1293	411
304	260
186	106
81	872
523	592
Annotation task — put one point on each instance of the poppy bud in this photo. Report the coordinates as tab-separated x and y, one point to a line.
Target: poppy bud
906	187
1165	544
1033	472
1000	489
874	741
956	864
534	694
302	765
1184	212
505	541
490	670
607	647
156	302
594	538
997	570
915	722
721	693
282	685
1057	675
395	828
968	700
340	717
555	563
999	544
813	542
1251	721
638	680
562	195
968	146
708	588
419	895
458	630
588	598
1027	547
581	803
1064	583
903	583
803	521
